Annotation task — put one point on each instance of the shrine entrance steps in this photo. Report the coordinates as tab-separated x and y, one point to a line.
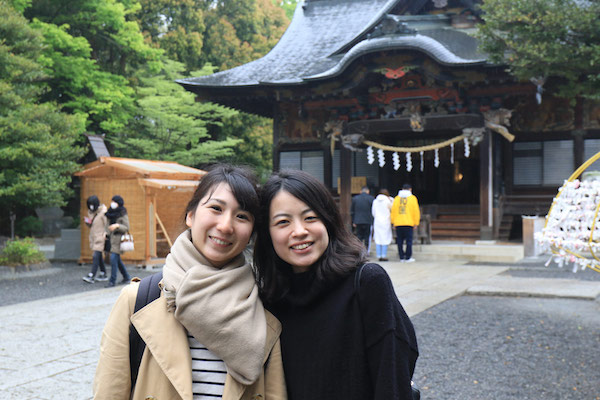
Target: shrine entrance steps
476	251
462	223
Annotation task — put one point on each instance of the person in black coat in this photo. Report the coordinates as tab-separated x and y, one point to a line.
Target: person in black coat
362	218
344	335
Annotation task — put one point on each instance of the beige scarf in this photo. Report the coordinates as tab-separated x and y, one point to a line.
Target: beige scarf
220	307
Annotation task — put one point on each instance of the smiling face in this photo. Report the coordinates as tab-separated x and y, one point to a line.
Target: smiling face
220	228
299	236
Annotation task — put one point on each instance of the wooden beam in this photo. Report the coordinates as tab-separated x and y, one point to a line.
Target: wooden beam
345	185
163	229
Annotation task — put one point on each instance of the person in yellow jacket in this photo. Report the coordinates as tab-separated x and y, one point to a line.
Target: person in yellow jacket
405	217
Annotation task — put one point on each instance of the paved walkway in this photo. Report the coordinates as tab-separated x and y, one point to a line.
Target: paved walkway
49	348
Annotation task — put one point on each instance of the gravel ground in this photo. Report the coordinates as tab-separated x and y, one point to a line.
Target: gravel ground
472	347
501	348
60	279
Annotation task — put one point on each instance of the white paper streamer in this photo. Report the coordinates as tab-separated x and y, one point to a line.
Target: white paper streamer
370	155
381	158
396	161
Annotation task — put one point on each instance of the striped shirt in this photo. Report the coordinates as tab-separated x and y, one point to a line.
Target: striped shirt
208	372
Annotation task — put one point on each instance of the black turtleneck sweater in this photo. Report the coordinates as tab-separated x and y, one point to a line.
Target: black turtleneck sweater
335	348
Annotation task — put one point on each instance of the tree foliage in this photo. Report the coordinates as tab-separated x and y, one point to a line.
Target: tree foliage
170	124
117	43
103	98
176	26
239	31
546	38
37	151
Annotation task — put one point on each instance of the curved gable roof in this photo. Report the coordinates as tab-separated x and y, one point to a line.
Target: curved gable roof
325	36
317	30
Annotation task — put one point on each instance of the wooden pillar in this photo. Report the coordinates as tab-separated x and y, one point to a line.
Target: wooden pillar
486	194
327	165
345	185
277	131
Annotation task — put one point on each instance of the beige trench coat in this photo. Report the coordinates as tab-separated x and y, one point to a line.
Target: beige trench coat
165	371
97	228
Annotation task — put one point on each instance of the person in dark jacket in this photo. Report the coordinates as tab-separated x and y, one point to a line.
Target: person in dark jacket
118	224
362	218
342	337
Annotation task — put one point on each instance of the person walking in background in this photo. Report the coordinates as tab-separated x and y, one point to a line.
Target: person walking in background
96	221
362	219
207	335
405	217
118	224
382	223
345	335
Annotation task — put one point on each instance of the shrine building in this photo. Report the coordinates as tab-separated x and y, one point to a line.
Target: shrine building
387	92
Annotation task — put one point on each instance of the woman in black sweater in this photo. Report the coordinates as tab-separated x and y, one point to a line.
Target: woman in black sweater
344	337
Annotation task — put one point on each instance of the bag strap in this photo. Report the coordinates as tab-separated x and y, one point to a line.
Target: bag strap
148	291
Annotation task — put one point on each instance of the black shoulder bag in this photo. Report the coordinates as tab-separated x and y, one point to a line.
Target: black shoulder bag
148	291
416	393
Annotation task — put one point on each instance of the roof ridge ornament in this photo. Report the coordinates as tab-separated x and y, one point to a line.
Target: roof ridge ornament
389	25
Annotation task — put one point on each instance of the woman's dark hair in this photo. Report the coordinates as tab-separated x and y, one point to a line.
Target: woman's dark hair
344	251
93	201
114	213
241	180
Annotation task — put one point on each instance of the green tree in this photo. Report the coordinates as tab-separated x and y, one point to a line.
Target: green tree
37	151
239	31
92	48
171	125
546	38
116	40
176	26
105	99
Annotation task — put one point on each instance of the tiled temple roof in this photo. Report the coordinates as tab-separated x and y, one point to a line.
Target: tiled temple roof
325	36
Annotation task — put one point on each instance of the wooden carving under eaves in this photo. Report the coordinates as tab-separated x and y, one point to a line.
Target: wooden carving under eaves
554	114
302	125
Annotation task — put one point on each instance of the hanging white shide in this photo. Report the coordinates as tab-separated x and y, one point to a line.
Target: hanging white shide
370	155
396	161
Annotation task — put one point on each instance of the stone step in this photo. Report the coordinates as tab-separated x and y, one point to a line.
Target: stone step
478	252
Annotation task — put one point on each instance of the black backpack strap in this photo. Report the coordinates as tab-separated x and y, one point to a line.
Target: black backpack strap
148	291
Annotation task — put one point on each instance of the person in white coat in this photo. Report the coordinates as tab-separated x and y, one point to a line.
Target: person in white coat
382	224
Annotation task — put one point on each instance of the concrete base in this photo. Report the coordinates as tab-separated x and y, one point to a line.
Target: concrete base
536	287
508	253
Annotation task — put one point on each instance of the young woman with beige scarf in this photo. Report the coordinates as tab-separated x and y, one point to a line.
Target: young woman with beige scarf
207	335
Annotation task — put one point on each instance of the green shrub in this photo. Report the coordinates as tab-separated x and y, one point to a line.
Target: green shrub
29	226
21	252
